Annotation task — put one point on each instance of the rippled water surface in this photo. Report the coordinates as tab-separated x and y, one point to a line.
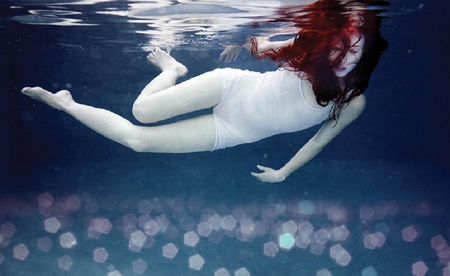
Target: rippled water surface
373	203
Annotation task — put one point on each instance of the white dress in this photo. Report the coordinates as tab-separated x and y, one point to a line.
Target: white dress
256	105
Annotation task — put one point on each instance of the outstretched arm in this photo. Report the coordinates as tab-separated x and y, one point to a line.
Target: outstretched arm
315	145
231	52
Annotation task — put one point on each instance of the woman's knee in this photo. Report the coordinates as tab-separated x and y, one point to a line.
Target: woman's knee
144	112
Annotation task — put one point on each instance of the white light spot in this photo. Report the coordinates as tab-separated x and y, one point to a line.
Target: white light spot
52	225
170	251
114	273
306	207
191	239
290	227
228	223
324	272
67	240
242	272
44	244
145	207
7	230
139	266
65	262
305	228
215	222
419	269
409	234
100	255
204	229
302	241
369	271
322	236
340	255
151	228
45	200
196	262
20	252
438	242
374	240
270	249
100	225
286	241
221	272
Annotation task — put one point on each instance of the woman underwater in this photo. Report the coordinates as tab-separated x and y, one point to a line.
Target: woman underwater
323	73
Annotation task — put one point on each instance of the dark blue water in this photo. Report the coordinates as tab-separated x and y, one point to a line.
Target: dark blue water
384	180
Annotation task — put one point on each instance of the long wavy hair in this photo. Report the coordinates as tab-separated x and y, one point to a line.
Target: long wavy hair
321	24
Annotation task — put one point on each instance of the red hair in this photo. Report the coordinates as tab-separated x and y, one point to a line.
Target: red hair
322	23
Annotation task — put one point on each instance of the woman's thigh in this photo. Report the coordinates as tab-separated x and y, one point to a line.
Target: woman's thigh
203	91
191	135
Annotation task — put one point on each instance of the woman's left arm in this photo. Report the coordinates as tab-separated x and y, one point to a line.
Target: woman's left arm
315	145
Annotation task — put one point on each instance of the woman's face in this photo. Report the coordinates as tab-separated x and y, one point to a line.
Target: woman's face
351	58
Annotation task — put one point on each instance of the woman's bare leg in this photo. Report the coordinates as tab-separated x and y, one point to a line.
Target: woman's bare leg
161	100
197	134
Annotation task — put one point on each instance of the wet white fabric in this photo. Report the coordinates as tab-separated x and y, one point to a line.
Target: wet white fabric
259	105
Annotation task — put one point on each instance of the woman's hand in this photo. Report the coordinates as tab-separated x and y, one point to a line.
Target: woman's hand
269	175
231	53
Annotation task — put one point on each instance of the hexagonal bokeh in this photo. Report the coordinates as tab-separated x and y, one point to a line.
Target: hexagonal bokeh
170	251
67	240
52	225
65	262
20	252
44	244
139	266
221	272
100	255
191	239
270	249
419	269
286	241
196	262
242	272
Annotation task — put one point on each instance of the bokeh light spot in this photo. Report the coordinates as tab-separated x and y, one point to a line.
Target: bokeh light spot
340	255
221	272
191	239
65	262
409	234
204	229
100	225
419	269
67	240
286	241
375	240
7	230
290	227
228	223
170	251
215	222
196	262
324	272
270	249
438	242
139	266
305	228
44	244
52	225
369	271
20	252
100	255
242	272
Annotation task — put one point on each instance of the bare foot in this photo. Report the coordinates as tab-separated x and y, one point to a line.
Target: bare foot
166	62
60	100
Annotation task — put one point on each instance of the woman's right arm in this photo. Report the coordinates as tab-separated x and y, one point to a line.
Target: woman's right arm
231	52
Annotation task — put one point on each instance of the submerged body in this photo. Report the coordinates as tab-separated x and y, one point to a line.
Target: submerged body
257	105
326	71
